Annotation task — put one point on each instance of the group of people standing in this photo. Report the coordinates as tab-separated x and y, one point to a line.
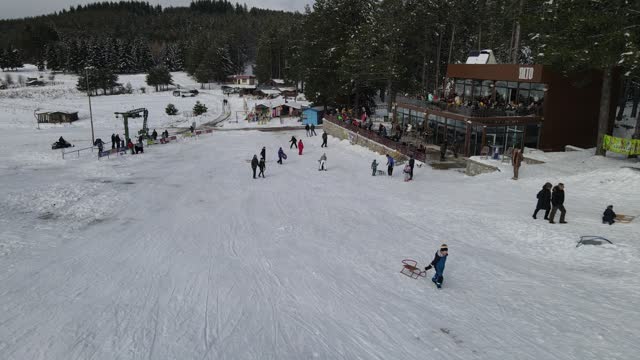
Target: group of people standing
298	144
551	200
310	129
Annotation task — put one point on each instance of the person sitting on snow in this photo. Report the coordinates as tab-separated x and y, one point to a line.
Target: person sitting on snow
609	216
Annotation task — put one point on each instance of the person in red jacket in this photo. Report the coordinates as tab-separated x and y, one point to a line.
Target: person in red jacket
130	146
300	147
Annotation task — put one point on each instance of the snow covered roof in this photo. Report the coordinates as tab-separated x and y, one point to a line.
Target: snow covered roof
241	77
239	86
269	91
283	89
278	81
481	57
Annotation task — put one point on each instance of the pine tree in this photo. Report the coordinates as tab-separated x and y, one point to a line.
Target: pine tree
171	110
199	108
582	35
144	59
159	77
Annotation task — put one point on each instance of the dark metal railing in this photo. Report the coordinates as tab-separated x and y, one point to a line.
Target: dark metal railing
471	111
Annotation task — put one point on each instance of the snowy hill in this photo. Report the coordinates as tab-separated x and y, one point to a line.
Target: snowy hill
180	254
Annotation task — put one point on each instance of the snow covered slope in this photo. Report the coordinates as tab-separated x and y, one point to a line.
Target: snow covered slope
180	254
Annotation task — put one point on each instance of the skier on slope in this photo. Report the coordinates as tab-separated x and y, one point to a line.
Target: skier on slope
438	263
300	147
322	161
254	165
294	142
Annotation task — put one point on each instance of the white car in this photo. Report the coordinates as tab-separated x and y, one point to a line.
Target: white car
185	93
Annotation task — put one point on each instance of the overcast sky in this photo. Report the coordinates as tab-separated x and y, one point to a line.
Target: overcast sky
20	8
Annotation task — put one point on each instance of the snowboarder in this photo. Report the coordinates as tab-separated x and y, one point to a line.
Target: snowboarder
322	161
516	161
263	153
412	163
262	166
300	147
113	141
374	167
544	201
609	216
281	155
313	130
407	172
438	263
294	142
390	163
307	129
254	165
324	139
557	200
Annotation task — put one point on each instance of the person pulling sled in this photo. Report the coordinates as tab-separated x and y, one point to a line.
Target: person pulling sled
438	264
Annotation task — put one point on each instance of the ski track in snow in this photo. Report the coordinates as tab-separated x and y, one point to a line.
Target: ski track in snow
180	254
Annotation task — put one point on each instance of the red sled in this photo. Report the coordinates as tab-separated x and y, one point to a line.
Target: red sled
410	268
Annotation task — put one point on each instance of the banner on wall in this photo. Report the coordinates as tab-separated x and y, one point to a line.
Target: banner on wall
621	146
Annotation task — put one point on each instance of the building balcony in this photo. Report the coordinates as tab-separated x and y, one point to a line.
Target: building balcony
474	111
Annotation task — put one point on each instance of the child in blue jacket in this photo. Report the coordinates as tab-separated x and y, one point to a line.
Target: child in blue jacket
438	264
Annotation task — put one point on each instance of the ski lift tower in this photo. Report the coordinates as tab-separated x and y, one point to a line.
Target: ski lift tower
136	113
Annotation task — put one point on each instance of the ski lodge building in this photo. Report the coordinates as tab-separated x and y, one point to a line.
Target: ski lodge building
509	105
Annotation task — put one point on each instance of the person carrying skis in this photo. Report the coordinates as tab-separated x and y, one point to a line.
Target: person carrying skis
281	155
262	166
438	263
374	167
300	147
263	153
609	216
322	161
313	130
307	129
544	201
390	163
294	142
324	139
254	165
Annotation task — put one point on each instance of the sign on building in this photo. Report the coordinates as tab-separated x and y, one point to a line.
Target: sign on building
526	73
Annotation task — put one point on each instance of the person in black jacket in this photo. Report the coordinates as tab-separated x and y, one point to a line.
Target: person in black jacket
544	201
262	166
307	129
412	162
313	130
113	141
254	165
324	139
294	142
263	153
609	216
557	200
